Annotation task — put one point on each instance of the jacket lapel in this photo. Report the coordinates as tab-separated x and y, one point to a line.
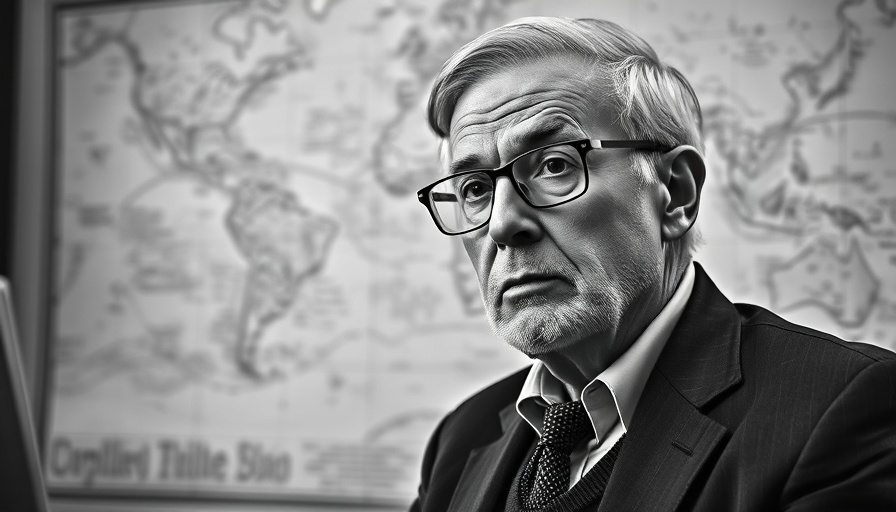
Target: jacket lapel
670	438
491	468
668	443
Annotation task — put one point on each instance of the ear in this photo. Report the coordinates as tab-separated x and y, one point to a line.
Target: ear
682	171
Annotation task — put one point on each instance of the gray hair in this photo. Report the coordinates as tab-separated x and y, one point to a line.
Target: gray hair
653	100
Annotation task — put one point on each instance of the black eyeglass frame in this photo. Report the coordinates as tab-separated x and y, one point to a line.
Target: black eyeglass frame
583	146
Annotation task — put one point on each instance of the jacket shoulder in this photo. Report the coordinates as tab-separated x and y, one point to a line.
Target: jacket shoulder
761	324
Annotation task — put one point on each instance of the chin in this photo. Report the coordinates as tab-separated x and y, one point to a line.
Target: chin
543	327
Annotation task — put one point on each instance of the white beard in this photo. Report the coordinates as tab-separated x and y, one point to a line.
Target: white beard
541	326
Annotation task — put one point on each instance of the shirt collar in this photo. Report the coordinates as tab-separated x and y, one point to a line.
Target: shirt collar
614	393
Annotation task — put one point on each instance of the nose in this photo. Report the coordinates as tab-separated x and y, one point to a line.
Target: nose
513	221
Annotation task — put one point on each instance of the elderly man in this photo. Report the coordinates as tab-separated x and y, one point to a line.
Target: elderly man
575	167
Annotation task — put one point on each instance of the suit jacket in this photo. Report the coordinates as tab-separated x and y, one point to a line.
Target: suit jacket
743	411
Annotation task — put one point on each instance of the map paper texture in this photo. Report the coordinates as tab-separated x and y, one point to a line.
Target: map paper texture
248	298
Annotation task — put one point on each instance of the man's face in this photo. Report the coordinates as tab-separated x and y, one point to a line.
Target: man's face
552	278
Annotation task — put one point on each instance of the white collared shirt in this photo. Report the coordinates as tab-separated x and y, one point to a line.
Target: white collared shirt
610	399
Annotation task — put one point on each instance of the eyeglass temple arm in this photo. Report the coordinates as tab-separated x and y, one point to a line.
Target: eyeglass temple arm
649	145
444	197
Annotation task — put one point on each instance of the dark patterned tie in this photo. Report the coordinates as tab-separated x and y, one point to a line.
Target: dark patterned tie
546	475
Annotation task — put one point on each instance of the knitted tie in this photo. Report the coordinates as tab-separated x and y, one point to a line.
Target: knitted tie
546	475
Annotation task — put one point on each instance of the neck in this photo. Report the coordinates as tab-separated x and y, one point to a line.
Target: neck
575	367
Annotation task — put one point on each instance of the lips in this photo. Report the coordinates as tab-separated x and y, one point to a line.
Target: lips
523	279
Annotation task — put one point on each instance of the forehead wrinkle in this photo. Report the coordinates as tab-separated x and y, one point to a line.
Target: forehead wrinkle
490	115
554	115
555	121
517	136
476	123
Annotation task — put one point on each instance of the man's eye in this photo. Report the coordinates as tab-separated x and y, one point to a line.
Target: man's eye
555	166
474	189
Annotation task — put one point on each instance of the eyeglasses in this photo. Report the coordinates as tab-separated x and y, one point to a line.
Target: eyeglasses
544	177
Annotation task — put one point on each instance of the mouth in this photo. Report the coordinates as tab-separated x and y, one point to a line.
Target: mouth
526	284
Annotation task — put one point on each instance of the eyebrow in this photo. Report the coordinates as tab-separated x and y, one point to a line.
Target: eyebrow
530	140
467	162
540	136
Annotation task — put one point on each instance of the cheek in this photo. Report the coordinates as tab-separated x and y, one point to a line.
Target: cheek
474	246
616	228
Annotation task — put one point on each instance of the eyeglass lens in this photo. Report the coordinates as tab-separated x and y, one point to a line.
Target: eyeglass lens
543	177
